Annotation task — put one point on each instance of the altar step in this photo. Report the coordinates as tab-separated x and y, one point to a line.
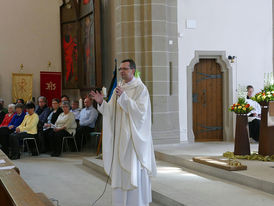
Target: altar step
160	194
179	183
259	175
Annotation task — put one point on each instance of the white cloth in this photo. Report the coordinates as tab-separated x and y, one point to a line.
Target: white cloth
133	141
257	109
137	197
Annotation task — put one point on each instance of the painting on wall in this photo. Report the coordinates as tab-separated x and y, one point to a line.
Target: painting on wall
70	52
81	49
88	52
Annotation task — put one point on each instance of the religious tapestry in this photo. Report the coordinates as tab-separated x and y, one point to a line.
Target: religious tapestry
50	85
70	55
21	86
80	49
88	52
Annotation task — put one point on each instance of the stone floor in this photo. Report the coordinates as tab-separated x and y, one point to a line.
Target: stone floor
74	184
65	179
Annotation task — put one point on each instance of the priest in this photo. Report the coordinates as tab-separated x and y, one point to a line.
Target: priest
128	152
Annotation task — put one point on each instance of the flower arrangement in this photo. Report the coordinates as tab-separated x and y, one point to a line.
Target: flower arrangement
266	95
241	107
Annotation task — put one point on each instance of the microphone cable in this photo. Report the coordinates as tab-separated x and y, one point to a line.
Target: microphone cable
113	145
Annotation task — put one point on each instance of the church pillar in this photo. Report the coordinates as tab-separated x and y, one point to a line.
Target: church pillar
146	31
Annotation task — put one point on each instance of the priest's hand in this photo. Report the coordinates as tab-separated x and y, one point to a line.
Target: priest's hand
97	96
119	91
17	130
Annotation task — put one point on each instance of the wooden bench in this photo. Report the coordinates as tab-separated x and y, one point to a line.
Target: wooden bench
8	162
44	199
14	191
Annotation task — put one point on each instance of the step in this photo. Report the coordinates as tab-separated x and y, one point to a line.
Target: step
259	175
159	194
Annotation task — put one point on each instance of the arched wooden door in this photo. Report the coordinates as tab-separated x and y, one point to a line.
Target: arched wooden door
207	84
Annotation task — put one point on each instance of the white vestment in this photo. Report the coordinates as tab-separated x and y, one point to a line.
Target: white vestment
257	110
133	160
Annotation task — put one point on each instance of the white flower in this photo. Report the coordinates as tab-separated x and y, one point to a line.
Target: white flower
268	92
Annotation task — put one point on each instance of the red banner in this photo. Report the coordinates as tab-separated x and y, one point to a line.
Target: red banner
50	85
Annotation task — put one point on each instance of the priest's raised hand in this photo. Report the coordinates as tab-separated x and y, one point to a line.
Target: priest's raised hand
97	96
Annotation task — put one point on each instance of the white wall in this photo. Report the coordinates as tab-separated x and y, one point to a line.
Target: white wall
242	28
29	35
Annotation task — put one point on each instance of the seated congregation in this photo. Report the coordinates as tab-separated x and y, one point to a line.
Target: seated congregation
42	128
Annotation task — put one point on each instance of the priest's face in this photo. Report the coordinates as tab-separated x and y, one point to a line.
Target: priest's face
126	72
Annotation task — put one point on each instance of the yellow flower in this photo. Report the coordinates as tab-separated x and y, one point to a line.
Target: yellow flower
240	107
244	108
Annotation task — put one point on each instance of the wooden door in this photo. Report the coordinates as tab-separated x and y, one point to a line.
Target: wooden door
207	83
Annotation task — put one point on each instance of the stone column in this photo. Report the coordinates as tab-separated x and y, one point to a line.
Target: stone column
146	31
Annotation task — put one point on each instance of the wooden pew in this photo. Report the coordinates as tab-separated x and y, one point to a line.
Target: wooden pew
14	191
44	199
8	162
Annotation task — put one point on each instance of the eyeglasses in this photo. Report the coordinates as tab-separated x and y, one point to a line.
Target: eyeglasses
123	68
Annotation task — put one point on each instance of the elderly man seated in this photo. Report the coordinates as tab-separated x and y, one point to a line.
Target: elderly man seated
42	110
75	109
254	119
88	116
27	129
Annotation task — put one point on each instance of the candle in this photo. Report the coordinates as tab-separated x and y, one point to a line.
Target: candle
104	91
80	103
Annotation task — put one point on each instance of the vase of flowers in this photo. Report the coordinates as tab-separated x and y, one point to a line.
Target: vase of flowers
241	107
267	94
241	144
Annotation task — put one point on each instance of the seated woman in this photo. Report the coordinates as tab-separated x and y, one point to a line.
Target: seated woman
254	119
65	125
27	129
57	110
4	130
8	117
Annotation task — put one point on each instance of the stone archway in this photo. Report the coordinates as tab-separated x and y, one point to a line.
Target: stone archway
226	69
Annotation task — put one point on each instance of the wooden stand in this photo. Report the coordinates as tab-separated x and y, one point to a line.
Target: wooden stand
241	146
266	139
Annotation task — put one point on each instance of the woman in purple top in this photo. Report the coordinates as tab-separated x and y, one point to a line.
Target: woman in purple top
6	131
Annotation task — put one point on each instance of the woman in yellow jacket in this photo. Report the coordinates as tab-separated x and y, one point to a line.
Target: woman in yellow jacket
28	128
